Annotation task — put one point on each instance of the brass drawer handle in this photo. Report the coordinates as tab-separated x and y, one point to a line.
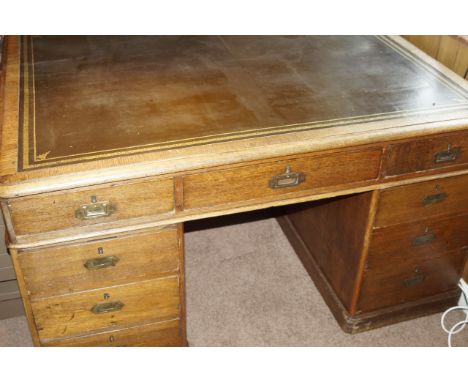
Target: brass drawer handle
426	238
95	210
107	307
433	199
101	262
412	281
287	179
450	155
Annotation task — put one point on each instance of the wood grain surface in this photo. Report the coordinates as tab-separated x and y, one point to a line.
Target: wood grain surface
147	222
395	243
61	270
391	284
362	321
420	155
333	231
56	211
406	203
71	315
451	51
165	333
215	188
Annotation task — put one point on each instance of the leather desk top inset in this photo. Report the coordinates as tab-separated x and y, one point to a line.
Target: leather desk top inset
87	97
97	102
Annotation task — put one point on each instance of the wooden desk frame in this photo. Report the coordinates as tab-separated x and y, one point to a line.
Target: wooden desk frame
246	154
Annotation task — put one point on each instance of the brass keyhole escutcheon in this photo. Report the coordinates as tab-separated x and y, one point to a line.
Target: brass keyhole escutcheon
111	339
106	296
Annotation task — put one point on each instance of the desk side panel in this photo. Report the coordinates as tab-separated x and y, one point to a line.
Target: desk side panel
333	233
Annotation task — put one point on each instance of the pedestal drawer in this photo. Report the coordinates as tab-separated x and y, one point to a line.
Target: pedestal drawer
424	200
427	154
268	180
91	206
102	263
166	333
392	285
107	308
422	240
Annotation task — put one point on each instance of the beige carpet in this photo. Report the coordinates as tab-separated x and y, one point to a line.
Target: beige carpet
246	287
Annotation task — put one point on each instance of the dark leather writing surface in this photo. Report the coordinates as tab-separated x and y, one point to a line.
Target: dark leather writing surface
84	96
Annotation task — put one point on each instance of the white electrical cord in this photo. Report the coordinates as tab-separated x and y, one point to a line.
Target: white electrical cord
459	326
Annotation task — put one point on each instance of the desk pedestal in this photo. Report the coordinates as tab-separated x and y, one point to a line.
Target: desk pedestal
371	275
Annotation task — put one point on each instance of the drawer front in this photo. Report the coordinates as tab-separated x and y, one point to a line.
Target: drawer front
265	181
159	334
387	286
427	154
115	307
419	241
422	200
60	270
96	205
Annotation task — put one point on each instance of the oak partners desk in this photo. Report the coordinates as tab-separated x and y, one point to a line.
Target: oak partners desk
109	144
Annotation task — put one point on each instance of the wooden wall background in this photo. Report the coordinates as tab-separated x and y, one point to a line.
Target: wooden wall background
452	51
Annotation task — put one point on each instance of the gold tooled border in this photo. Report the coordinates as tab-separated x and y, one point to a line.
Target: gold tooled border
30	159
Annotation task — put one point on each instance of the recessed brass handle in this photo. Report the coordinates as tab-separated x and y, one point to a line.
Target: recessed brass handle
435	198
101	262
426	238
95	210
449	155
412	281
287	179
107	307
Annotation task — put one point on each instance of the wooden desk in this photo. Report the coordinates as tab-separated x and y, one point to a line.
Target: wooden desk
109	144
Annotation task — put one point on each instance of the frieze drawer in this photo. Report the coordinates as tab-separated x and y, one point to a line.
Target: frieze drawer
269	180
91	206
427	154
